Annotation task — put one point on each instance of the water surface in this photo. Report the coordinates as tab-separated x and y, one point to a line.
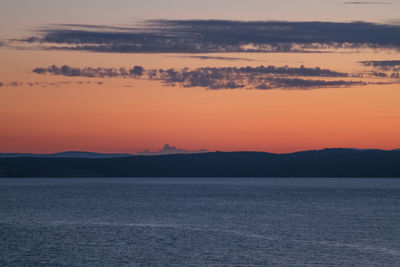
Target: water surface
199	221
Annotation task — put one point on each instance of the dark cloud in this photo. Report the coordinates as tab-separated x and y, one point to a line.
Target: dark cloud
381	63
244	77
137	71
90	72
306	83
205	36
378	74
384	68
261	77
169	150
219	72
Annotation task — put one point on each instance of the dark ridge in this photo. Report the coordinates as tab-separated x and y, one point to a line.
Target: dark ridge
318	163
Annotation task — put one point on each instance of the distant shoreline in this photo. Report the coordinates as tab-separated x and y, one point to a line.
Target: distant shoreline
333	163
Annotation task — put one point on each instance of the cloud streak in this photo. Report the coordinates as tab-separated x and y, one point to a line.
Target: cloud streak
138	71
68	71
381	63
206	36
220	58
368	3
215	78
48	84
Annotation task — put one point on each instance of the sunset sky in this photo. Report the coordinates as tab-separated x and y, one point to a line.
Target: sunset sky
126	76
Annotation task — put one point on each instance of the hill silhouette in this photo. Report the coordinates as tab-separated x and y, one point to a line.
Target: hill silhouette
316	163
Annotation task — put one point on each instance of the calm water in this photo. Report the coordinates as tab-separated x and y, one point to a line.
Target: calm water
185	221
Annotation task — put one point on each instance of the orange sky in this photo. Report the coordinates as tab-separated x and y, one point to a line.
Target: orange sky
126	115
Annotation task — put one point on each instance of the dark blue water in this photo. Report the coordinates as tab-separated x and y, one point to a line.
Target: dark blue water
185	221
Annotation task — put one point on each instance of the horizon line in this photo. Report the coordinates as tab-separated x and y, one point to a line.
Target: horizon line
159	153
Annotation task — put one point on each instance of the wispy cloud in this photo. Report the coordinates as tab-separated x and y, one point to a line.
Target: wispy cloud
289	83
48	84
220	58
394	21
205	36
14	84
369	2
261	77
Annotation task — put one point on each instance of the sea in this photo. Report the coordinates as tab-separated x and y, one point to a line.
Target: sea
199	222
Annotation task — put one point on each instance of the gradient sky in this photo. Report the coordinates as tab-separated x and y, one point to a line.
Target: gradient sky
43	111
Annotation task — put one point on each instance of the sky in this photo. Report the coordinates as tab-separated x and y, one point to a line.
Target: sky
131	76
